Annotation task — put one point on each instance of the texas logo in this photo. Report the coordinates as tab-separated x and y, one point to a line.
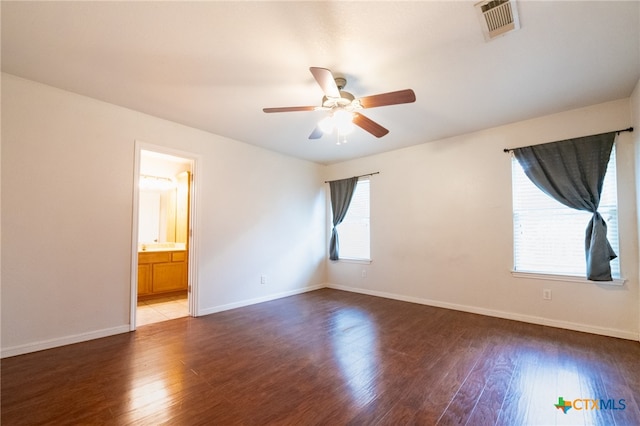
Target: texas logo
563	405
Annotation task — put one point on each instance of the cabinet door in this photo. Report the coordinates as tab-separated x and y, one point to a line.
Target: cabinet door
169	276
144	279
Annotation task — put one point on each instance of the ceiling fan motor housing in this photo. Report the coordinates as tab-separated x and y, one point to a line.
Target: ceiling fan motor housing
344	100
341	82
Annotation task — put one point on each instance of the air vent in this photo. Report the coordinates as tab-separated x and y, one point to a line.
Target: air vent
497	17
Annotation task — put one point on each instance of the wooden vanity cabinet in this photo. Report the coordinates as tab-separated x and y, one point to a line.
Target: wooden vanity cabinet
144	278
162	272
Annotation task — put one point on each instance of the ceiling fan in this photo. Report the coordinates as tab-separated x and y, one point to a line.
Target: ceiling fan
343	107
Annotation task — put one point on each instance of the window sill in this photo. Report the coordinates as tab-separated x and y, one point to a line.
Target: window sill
566	278
348	260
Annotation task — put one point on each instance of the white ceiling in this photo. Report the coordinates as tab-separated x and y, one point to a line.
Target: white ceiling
215	65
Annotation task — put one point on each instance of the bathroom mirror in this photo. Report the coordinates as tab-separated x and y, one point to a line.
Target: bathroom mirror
157	216
163	212
163	201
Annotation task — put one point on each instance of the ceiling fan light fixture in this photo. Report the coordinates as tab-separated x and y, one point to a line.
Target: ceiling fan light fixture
343	121
326	125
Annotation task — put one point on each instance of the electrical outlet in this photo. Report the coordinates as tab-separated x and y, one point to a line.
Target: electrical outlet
546	294
263	279
364	273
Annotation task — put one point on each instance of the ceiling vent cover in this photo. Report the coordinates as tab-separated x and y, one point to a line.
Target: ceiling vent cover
497	17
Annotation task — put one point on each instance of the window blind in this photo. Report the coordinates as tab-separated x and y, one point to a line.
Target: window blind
354	230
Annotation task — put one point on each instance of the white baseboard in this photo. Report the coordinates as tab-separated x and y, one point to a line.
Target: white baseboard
62	341
82	337
247	302
611	332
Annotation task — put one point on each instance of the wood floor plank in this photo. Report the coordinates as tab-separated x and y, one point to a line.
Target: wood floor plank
463	404
327	357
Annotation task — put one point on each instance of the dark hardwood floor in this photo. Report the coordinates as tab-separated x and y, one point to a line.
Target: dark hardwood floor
329	357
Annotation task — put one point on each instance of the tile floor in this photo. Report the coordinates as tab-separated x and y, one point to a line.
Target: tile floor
161	309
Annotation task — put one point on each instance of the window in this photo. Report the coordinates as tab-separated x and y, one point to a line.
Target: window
354	230
548	236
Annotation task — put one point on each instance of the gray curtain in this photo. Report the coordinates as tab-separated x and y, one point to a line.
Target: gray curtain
572	172
341	195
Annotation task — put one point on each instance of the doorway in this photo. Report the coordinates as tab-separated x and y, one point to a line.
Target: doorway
162	259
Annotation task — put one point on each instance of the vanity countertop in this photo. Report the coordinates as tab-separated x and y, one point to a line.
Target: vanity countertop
153	247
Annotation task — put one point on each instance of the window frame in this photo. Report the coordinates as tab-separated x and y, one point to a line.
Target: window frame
349	259
558	276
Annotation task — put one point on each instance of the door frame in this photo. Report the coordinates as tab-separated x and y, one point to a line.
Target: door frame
192	274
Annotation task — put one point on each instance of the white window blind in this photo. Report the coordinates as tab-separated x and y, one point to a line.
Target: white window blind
548	236
353	232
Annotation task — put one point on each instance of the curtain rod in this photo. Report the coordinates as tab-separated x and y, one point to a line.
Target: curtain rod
629	129
368	174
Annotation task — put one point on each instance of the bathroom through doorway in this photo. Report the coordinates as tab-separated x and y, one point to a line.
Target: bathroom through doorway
162	287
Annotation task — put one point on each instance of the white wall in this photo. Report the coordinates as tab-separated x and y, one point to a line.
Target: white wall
441	220
67	187
441	227
635	119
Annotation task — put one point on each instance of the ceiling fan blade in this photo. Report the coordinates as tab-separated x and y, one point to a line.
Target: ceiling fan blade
325	79
391	98
316	134
290	109
369	125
